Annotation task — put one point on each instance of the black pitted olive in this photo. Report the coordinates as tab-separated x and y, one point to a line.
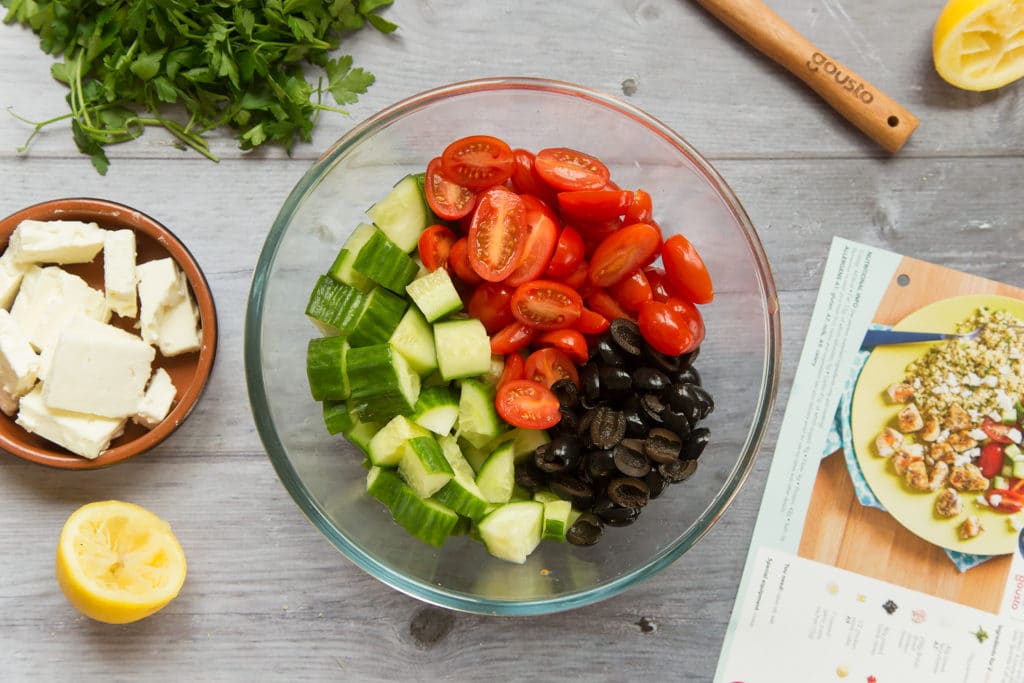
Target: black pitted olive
583	427
560	455
615	515
608	353
690	400
649	379
635	425
695	444
607	428
567	393
615	382
569	423
635	443
687	375
689	357
651	409
656	483
662	445
573	489
663	361
631	463
586	530
529	477
677	470
629	492
626	334
676	422
590	385
599	465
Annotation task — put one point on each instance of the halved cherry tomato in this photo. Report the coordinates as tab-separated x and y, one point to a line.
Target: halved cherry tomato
511	338
671	327
632	291
578	278
568	254
639	210
591	322
990	461
623	252
546	305
595	232
458	262
594	205
548	365
435	245
540	241
997	431
570	342
496	236
477	162
448	200
686	271
1009	501
566	169
491	304
525	179
659	283
604	304
527	404
1017	485
513	370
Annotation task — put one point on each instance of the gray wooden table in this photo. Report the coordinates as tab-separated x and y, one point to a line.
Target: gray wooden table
267	597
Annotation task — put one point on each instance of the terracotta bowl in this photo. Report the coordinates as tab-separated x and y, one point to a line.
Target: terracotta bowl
189	371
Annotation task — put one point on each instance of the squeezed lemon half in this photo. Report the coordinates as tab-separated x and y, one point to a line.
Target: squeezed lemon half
118	562
979	44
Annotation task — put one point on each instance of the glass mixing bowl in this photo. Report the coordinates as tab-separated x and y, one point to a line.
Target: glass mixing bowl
739	360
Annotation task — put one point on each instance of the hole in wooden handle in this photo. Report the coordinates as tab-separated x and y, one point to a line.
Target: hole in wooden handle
893	121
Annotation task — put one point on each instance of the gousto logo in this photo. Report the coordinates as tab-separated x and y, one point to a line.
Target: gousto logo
819	62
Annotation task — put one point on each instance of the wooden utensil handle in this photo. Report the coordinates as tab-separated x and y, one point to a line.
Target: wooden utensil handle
865	106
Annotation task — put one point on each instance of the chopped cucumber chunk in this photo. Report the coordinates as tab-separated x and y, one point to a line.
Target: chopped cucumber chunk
382	261
479	423
511	532
414	339
435	295
437	409
325	368
342	270
463	348
386	446
423	466
497	475
403	213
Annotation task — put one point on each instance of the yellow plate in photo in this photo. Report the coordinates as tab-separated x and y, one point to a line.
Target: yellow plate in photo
871	412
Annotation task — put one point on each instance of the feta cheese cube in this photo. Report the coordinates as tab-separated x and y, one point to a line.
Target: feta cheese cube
161	285
178	329
11	273
48	298
119	272
81	433
98	369
155	405
19	364
168	317
56	241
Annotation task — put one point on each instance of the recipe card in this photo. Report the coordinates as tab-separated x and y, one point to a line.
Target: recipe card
889	544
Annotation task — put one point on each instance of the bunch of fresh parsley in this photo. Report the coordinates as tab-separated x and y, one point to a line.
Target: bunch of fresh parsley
191	66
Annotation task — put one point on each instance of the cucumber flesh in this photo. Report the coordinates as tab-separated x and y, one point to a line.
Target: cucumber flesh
361	432
414	339
513	531
423	466
463	348
478	420
497	475
342	270
387	445
435	295
461	493
556	519
402	214
437	409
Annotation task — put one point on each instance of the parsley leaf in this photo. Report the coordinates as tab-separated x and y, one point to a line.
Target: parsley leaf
196	66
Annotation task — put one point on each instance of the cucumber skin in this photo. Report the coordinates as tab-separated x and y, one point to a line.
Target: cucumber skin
325	368
335	305
432	408
382	261
337	417
409	511
375	384
380	316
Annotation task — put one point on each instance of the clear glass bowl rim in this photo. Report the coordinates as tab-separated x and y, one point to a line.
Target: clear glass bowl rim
276	451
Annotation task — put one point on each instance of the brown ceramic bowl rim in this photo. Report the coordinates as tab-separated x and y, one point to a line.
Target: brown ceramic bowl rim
98	210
